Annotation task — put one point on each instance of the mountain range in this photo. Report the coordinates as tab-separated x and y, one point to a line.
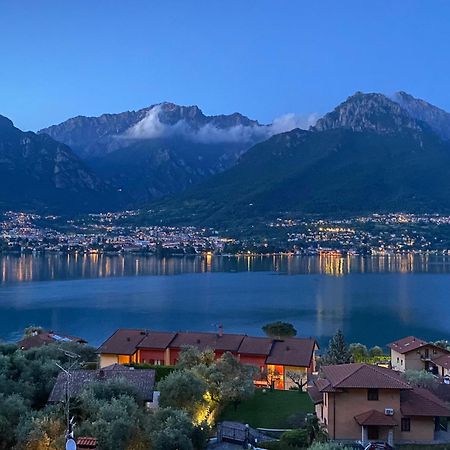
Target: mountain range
38	173
158	150
371	153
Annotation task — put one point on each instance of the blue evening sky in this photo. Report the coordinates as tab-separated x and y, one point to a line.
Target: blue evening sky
61	58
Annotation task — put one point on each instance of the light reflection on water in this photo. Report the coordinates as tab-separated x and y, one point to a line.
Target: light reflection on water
64	267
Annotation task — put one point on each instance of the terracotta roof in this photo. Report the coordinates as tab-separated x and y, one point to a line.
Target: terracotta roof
226	342
421	402
142	380
375	418
324	385
314	394
407	344
49	337
292	352
441	391
287	352
443	361
87	442
256	346
122	342
363	376
157	339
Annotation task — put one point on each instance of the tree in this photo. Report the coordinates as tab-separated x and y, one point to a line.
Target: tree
170	429
298	378
235	379
420	378
443	344
359	352
338	352
12	408
182	389
191	357
376	352
118	423
279	329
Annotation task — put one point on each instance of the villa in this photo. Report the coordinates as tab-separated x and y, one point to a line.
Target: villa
278	360
371	403
411	353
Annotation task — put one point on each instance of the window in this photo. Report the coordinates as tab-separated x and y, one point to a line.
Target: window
372	394
398	359
401	362
406	424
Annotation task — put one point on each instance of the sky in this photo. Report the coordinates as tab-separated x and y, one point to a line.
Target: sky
59	59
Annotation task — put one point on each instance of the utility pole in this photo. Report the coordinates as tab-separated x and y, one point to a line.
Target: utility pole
70	442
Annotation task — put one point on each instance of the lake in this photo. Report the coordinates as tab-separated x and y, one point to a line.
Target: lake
374	300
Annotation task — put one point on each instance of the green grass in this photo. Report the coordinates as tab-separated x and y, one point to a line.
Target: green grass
269	410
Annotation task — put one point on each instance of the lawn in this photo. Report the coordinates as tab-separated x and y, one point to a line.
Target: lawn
270	409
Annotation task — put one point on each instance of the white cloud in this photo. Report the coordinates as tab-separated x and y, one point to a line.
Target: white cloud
151	127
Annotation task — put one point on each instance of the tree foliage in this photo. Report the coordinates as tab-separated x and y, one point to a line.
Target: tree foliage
420	378
279	329
182	389
338	351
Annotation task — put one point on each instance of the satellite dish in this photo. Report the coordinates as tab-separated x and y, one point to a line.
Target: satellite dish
71	444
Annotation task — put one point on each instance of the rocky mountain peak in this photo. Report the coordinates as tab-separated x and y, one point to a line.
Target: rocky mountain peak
369	112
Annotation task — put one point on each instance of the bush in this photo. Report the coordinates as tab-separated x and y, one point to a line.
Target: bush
295	438
161	371
325	446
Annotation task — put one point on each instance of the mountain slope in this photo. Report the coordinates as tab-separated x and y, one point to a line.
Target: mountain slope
436	118
161	149
37	172
368	155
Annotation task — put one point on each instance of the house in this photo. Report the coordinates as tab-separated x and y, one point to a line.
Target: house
277	359
442	364
142	380
39	337
411	353
371	403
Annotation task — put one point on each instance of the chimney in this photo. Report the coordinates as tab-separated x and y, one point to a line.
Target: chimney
220	330
101	373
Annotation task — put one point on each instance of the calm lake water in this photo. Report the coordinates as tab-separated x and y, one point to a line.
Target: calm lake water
374	300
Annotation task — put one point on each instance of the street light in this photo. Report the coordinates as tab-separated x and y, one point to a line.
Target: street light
70	443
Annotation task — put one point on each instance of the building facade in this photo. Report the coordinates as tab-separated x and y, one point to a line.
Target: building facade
281	363
360	402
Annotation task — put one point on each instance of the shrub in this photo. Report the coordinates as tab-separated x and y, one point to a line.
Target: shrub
295	438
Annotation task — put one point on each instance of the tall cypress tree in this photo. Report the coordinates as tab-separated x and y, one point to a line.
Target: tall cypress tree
338	351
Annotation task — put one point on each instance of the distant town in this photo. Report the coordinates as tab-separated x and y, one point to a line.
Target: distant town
121	232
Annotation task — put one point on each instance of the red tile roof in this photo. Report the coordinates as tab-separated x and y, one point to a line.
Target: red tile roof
363	376
443	361
213	341
421	402
256	346
287	352
376	419
47	337
292	352
407	344
122	342
157	340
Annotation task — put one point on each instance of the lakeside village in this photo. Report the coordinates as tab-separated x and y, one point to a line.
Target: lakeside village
118	233
162	390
